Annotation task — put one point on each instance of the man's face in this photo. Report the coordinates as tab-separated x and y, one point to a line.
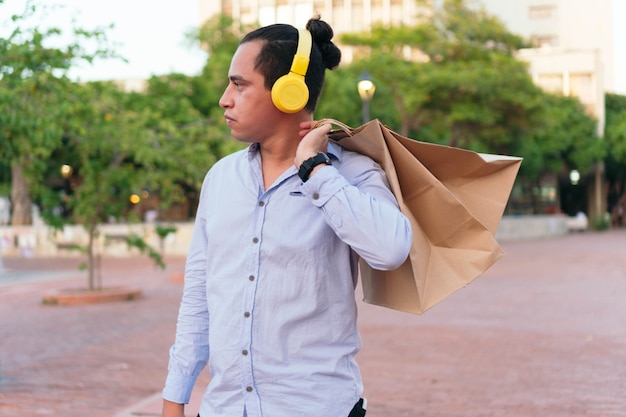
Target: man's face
249	111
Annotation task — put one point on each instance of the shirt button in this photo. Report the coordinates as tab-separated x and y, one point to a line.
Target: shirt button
255	240
244	352
246	314
261	203
316	196
249	389
251	277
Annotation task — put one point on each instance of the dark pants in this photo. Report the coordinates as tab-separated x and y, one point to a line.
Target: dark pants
357	410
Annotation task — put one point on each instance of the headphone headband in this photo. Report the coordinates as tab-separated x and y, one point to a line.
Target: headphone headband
300	62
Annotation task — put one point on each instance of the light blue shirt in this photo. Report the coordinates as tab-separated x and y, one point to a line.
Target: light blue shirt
269	300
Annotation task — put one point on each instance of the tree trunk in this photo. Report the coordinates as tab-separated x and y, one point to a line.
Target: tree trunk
91	264
454	133
20	197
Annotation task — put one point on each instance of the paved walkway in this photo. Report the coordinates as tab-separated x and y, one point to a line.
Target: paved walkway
542	333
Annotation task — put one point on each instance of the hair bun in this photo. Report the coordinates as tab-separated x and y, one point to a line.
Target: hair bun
322	33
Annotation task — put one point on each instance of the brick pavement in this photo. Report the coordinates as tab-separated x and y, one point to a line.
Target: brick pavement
542	333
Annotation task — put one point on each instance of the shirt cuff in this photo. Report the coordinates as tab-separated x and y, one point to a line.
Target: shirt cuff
178	388
323	185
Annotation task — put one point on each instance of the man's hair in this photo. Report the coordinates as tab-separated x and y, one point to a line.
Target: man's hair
280	42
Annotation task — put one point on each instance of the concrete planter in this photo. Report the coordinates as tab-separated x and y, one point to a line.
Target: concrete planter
83	296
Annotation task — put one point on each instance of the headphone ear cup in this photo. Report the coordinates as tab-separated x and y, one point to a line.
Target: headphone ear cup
290	93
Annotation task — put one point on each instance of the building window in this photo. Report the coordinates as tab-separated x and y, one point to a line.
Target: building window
540	12
582	86
552	83
540	41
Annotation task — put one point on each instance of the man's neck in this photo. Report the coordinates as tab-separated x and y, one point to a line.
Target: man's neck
278	152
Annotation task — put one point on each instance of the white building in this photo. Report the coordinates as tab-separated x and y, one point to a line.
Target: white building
344	16
563	25
558	25
573	56
573	43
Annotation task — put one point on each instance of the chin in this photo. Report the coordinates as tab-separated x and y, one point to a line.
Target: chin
240	138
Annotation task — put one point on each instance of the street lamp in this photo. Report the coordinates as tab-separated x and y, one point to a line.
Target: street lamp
366	90
66	171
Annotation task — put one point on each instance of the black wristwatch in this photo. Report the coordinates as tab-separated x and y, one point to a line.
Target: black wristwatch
307	166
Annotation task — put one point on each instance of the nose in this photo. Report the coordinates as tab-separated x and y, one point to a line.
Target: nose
225	101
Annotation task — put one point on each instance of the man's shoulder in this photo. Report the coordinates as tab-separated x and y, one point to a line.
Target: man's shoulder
352	160
226	166
231	159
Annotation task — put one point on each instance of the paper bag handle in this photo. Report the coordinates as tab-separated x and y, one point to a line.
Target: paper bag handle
342	126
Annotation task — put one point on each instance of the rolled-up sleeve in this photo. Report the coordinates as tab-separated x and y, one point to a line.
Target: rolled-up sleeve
363	212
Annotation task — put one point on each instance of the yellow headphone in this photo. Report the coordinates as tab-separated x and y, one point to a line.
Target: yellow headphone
290	93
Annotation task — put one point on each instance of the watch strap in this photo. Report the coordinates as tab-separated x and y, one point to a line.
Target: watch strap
307	166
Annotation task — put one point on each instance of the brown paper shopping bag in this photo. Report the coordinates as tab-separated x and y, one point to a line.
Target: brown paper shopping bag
454	199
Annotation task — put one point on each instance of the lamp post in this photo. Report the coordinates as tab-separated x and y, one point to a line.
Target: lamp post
366	90
4	212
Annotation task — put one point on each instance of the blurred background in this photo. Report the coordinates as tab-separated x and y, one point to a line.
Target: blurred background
110	118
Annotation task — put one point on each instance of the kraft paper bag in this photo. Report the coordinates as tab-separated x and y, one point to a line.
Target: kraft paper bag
454	199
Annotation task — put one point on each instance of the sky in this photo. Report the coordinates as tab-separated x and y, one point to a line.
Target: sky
619	44
151	36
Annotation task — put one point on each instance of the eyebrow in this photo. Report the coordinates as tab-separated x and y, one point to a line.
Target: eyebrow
236	78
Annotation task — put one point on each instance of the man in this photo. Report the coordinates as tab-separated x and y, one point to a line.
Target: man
270	277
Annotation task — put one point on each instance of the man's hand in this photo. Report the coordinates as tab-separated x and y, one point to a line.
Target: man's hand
313	141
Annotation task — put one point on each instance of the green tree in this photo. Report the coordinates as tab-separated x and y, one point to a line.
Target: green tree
565	139
220	36
196	141
32	99
122	144
112	156
454	77
340	98
615	137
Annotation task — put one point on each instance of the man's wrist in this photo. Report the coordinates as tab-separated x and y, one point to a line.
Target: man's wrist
172	409
311	164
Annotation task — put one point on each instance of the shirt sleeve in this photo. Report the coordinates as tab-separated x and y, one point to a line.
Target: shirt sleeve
362	211
190	352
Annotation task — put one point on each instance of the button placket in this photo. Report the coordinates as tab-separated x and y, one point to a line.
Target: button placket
249	297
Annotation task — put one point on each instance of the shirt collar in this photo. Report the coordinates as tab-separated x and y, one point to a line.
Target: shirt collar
334	150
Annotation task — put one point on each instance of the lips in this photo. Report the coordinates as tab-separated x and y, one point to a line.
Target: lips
229	119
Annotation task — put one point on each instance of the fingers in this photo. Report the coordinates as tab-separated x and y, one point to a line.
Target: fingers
308	124
306	127
320	132
325	128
